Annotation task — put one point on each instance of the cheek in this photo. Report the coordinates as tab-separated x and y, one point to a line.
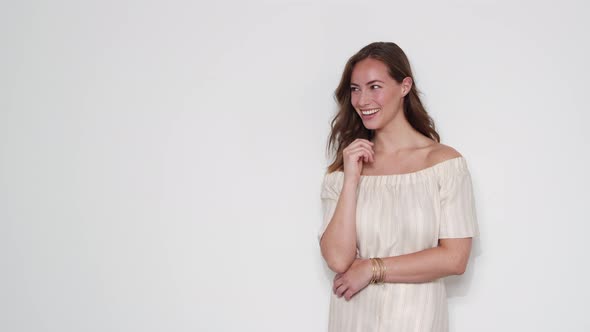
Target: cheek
353	99
380	97
385	97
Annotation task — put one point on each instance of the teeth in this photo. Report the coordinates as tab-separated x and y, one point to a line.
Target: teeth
369	112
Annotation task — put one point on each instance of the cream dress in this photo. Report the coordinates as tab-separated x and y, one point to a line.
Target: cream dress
400	214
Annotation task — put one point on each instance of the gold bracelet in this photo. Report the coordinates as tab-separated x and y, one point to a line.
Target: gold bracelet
378	274
382	268
374	270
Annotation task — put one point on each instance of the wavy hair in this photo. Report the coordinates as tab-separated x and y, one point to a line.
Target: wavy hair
346	126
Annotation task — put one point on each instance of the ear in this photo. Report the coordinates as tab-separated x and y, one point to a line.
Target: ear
406	85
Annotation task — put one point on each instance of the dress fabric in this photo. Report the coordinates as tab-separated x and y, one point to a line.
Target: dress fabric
400	214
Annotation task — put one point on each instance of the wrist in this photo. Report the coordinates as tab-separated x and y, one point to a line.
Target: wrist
364	270
378	269
350	184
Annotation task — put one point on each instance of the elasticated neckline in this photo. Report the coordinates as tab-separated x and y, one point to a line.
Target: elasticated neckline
442	168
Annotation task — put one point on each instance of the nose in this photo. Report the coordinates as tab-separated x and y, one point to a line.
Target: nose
363	99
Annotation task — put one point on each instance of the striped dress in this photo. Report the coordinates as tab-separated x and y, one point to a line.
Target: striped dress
400	214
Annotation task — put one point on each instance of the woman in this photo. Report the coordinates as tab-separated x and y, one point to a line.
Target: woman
399	212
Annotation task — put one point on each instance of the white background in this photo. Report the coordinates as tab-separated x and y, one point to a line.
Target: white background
161	160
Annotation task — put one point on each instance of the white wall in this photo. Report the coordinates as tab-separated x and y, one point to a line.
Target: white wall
160	161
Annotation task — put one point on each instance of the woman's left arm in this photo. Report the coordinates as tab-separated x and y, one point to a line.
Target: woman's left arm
448	258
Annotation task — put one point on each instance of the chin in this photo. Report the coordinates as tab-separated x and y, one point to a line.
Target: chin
371	127
373	123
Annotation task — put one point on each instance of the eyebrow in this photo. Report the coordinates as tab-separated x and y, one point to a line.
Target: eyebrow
371	82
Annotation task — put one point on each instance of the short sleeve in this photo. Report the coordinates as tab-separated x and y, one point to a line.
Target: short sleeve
329	196
458	214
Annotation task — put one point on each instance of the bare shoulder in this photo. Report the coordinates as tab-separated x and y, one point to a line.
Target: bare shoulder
441	152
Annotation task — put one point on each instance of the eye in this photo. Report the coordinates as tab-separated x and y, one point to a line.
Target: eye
353	88
375	85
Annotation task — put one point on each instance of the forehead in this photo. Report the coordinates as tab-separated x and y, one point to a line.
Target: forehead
369	69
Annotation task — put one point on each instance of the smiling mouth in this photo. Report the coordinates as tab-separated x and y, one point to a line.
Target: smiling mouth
370	111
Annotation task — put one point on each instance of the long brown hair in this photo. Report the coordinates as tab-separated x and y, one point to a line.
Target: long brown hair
347	125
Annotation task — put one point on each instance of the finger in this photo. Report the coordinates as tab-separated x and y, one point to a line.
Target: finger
359	149
369	149
362	142
361	152
335	286
341	290
367	140
355	145
337	283
340	286
337	276
351	148
348	294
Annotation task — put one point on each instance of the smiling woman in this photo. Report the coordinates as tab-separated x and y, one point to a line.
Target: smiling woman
399	211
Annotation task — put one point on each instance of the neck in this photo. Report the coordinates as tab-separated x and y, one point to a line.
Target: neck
398	136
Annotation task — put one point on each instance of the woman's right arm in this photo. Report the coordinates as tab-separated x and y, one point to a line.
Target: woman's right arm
338	243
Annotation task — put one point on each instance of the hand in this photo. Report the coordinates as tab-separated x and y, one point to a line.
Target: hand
352	281
357	152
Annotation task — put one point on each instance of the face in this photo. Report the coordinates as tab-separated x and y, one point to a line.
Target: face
376	97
